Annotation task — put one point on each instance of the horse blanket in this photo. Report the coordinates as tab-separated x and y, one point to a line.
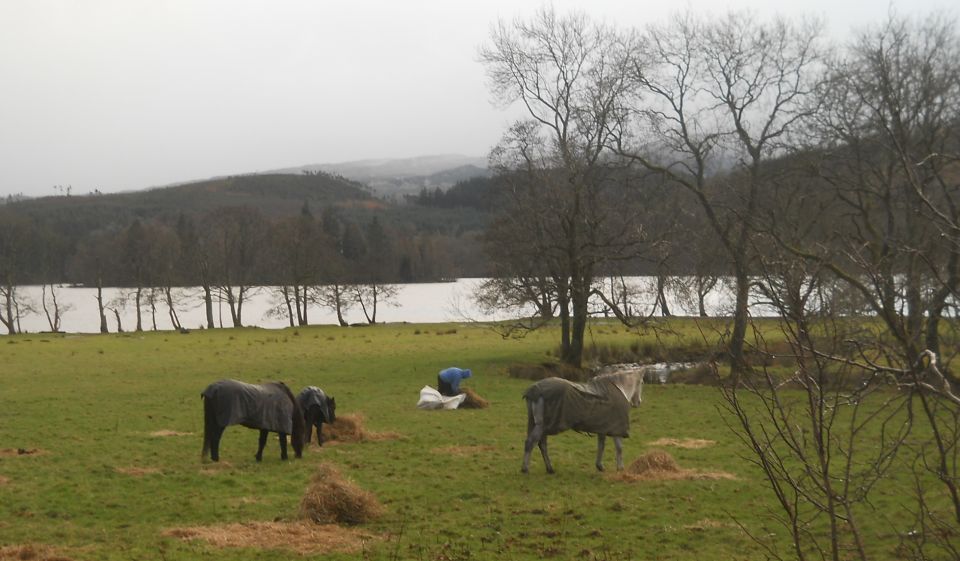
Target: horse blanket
597	407
266	406
312	395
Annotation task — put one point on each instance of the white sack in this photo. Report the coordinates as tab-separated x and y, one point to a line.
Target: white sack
431	399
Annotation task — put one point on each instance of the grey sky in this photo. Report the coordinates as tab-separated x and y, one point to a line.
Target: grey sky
128	94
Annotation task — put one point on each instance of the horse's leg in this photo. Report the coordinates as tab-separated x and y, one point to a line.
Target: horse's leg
601	444
319	433
215	434
543	452
262	444
618	444
532	437
283	445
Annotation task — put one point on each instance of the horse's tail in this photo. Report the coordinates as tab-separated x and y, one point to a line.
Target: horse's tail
299	424
209	419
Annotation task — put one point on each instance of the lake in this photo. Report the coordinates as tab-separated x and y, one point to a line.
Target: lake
415	303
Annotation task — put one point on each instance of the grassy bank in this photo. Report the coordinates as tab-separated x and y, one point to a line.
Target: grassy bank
112	426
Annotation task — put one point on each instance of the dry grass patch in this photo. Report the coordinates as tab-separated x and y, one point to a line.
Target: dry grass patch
4	480
30	552
137	471
332	499
660	466
473	400
691	443
20	452
708	524
165	432
463	450
349	428
303	537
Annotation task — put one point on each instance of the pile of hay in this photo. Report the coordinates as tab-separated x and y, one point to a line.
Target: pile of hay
473	401
349	428
30	552
304	538
660	466
331	499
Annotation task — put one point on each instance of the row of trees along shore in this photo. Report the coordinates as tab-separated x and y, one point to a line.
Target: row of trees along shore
327	260
808	164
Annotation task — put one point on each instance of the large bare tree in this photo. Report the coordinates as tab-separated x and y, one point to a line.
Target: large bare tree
569	74
721	95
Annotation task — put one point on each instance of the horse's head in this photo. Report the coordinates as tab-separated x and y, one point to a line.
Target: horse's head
332	409
637	396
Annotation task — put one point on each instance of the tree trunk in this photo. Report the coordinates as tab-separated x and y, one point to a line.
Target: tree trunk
208	305
139	318
103	317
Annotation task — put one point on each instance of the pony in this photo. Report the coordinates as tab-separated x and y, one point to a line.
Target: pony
601	406
267	407
318	408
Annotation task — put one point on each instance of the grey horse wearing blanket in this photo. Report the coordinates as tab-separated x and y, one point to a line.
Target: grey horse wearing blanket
601	406
268	407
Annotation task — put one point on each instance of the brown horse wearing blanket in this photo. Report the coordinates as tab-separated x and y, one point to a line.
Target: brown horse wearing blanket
268	407
601	406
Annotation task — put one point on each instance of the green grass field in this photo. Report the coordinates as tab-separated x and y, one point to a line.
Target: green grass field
102	487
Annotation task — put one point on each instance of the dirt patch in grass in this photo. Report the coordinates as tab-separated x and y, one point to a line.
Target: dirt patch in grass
473	400
302	537
349	428
30	552
3	480
137	471
463	451
691	443
332	499
660	466
20	452
213	468
165	432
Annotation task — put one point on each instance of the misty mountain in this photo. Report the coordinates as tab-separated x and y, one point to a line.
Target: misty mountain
394	178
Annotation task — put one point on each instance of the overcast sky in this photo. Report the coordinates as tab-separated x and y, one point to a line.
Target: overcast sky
127	94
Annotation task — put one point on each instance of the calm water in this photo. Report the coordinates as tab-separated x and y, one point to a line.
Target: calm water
415	303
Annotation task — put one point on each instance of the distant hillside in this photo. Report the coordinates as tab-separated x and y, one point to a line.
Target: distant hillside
395	178
273	195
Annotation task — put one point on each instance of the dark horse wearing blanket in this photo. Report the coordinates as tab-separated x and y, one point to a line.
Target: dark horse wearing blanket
318	408
600	406
268	407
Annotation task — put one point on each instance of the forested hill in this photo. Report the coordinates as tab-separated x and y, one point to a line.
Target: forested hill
52	239
273	195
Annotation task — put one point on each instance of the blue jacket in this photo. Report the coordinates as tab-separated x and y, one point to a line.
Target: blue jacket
453	376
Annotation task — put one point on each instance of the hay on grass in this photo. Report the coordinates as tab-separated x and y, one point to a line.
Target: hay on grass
30	552
331	499
690	443
165	432
302	537
473	400
349	428
4	480
660	466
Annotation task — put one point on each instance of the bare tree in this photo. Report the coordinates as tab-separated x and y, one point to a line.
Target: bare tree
725	94
570	75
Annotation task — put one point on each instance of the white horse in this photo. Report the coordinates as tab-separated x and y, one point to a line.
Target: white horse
600	406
